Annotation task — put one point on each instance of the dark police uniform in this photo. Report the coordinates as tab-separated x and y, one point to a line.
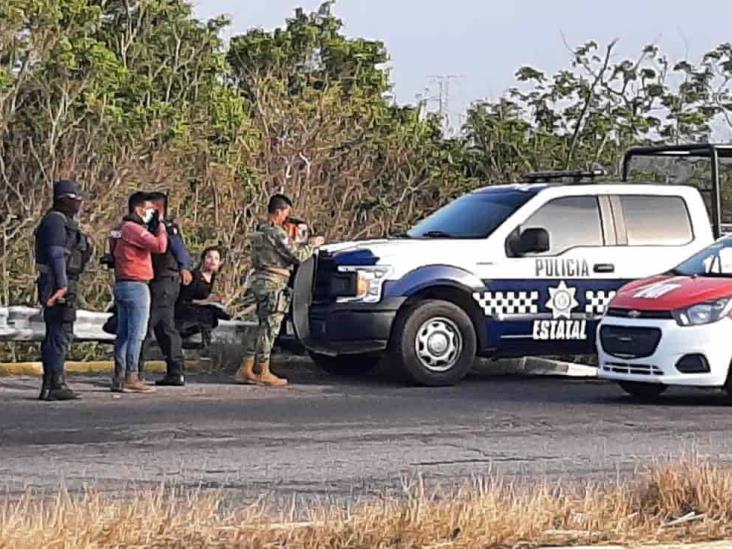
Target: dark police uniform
164	290
62	253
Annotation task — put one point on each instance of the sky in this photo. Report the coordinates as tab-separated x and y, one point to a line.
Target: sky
476	46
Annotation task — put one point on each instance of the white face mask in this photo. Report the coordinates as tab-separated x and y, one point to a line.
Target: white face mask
148	215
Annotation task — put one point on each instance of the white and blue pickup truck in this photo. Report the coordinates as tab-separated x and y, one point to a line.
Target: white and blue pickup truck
505	271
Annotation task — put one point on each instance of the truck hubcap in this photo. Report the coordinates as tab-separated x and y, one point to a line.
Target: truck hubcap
438	344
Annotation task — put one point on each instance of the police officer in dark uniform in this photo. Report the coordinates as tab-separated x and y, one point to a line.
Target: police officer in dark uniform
62	253
170	268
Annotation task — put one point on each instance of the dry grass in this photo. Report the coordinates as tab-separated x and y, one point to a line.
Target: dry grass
486	513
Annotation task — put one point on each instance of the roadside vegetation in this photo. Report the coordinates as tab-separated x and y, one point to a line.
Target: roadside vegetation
690	501
126	94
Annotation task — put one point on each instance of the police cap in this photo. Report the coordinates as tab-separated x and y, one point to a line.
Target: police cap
66	188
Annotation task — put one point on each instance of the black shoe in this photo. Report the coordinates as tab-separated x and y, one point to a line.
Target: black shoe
175	380
62	393
59	389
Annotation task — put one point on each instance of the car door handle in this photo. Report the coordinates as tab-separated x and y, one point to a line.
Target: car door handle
604	268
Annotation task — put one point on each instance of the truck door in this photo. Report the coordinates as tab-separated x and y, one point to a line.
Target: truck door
563	289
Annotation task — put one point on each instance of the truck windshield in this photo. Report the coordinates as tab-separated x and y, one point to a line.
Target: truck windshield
475	215
714	260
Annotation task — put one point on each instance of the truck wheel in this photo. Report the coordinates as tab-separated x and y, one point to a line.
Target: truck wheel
434	343
642	390
346	365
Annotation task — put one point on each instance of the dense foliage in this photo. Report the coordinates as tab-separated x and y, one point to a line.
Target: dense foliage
128	94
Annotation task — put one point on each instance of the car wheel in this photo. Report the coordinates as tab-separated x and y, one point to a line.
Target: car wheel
433	343
642	390
346	365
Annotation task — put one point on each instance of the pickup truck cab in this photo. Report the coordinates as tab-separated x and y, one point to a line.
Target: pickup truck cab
505	271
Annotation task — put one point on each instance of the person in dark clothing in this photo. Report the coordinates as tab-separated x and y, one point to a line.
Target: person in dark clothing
62	253
170	269
198	309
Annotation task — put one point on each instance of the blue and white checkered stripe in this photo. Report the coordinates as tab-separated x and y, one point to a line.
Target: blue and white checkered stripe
508	303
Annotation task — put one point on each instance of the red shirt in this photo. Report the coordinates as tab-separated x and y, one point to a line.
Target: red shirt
132	252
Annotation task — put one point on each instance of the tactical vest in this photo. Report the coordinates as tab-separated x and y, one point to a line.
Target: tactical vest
165	265
78	248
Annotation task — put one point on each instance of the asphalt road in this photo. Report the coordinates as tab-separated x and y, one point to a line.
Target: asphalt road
344	439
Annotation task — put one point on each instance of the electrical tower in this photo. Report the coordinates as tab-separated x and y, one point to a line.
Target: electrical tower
443	94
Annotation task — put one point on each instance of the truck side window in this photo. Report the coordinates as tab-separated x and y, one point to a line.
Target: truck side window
656	220
571	221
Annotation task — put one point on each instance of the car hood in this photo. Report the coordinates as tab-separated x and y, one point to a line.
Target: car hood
405	250
668	293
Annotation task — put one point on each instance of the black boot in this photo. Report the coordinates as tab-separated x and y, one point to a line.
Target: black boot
118	378
59	389
118	385
171	380
46	386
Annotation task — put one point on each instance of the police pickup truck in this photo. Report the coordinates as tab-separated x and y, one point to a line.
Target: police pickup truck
505	271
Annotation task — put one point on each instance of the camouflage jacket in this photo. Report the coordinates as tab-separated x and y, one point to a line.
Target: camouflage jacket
274	251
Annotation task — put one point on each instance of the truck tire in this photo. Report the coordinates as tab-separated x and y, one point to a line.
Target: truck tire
433	343
642	390
346	365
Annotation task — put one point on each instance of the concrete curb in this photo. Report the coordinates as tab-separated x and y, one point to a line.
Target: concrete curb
545	366
529	366
35	369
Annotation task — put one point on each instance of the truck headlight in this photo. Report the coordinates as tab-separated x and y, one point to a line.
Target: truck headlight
368	283
704	313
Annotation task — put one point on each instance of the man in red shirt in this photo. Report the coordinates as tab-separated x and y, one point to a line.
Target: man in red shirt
142	234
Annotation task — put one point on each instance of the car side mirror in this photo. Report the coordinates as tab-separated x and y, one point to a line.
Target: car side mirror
532	241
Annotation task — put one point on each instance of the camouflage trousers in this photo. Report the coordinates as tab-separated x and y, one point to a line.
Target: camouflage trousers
273	300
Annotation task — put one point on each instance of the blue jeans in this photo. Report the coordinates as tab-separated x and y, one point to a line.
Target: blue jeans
133	311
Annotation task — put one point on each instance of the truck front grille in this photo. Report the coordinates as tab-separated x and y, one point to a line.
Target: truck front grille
331	283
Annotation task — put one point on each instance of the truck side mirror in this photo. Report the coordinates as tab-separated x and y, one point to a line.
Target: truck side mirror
532	241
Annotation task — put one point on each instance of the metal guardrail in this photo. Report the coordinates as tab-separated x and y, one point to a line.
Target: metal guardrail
21	323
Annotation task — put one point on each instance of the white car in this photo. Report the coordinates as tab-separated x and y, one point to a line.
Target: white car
673	329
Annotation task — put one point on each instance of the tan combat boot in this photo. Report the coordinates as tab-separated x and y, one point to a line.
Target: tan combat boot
268	378
134	385
245	374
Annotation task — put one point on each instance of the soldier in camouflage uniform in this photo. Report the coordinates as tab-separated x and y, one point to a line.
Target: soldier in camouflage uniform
274	254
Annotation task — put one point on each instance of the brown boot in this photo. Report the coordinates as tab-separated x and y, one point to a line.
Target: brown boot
268	378
245	374
134	385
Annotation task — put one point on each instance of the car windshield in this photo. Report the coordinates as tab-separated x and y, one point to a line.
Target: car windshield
714	260
475	215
